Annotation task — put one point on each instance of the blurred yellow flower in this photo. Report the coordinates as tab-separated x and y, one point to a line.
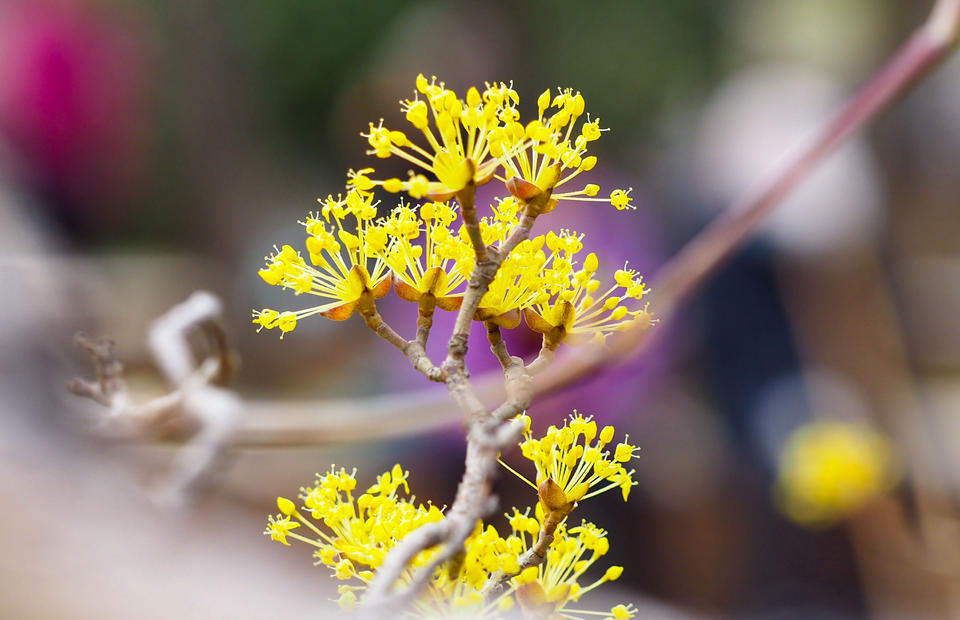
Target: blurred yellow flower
829	469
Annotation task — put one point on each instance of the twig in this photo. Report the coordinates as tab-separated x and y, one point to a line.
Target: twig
109	389
497	346
193	398
413	349
489	432
534	556
468	211
544	358
425	310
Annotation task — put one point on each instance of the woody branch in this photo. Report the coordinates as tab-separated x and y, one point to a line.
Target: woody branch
488	431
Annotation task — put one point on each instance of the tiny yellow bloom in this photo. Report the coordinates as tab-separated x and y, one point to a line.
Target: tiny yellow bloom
624	451
623	612
528	575
347	600
285	506
278	529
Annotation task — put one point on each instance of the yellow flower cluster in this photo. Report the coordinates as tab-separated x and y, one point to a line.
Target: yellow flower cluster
355	253
352	535
347	265
468	140
555	157
570	309
422	254
427	259
830	469
575	459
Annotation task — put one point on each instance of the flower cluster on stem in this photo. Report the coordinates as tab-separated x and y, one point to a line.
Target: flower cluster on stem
441	253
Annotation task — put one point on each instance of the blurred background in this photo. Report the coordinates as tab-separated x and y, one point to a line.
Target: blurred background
148	149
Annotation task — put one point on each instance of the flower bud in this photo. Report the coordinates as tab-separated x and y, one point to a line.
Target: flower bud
286	506
551	495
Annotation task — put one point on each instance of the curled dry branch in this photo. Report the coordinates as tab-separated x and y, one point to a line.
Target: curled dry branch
196	405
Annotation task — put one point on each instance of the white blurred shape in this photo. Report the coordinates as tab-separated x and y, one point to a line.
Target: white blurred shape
750	129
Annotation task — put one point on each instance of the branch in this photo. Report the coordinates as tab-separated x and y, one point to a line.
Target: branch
413	349
925	48
425	310
468	211
543	360
534	556
488	434
497	346
483	274
193	399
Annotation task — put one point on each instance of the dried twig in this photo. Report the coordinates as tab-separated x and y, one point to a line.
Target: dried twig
109	389
194	399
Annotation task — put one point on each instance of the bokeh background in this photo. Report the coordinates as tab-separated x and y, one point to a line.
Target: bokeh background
148	149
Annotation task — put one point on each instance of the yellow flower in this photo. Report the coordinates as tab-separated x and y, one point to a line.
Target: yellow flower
465	138
426	260
829	469
279	529
569	308
347	600
574	459
348	262
555	156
